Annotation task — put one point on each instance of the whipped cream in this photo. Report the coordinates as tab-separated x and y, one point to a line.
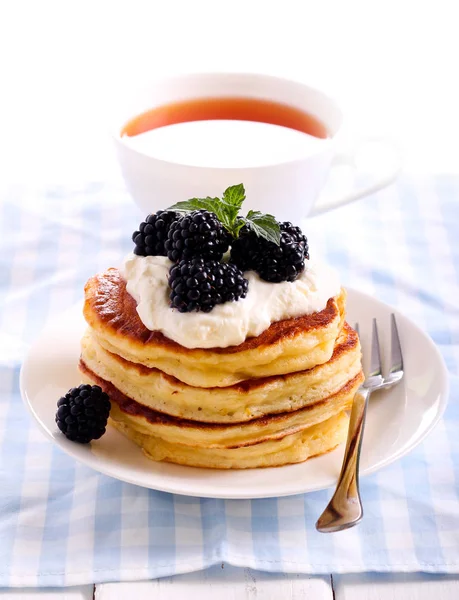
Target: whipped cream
231	323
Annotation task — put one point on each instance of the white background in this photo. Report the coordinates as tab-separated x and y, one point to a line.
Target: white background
65	66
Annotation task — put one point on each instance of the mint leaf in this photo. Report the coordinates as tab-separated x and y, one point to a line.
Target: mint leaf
264	226
195	204
233	197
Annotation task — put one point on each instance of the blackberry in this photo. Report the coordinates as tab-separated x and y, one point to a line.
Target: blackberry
198	233
273	263
244	250
297	235
152	233
82	413
281	263
199	285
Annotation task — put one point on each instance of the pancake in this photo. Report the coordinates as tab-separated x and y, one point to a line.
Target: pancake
240	402
218	435
287	346
294	448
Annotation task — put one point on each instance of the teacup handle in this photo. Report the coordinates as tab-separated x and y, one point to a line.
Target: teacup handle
386	175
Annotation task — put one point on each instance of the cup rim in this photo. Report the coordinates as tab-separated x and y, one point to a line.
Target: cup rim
115	131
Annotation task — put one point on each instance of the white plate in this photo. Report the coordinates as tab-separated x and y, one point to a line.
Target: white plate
397	420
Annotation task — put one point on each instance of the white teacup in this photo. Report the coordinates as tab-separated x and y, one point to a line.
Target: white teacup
286	187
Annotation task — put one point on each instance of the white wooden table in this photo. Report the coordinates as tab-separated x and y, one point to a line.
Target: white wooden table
228	583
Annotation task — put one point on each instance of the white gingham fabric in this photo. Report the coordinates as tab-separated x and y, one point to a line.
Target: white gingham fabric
63	524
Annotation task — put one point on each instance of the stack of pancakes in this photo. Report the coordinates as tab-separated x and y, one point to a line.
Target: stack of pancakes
275	399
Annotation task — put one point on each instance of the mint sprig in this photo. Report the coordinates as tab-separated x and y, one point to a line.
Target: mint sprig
227	210
263	225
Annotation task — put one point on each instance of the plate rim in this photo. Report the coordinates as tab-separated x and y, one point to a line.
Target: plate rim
71	448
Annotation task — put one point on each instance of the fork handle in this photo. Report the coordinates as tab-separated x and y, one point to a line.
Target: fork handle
345	508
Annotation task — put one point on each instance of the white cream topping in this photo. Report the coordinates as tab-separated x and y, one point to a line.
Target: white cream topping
231	323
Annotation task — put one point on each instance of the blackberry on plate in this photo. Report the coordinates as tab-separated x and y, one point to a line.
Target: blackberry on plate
198	233
199	284
82	413
152	233
273	263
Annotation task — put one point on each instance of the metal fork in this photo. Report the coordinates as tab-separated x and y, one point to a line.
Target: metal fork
345	508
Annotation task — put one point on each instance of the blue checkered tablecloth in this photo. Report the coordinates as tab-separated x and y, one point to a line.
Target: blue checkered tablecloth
62	523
